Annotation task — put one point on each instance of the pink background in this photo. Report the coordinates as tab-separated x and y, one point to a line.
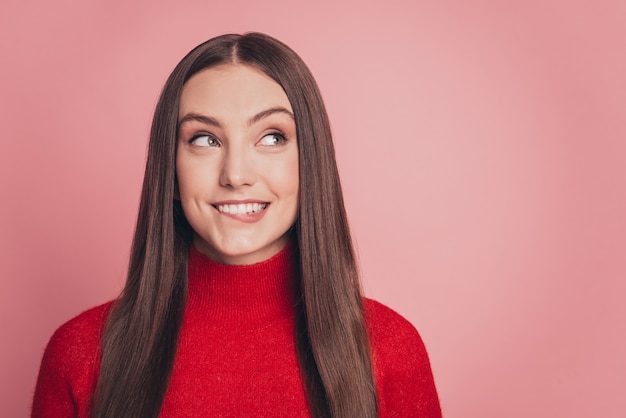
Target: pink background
482	147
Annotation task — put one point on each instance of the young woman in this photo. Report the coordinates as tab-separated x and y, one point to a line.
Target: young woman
242	296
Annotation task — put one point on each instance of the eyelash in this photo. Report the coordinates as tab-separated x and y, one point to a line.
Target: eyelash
215	141
210	137
280	135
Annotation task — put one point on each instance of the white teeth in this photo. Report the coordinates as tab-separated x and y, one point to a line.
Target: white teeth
242	208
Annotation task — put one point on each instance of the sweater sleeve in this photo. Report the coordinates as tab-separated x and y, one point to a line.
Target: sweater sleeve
68	369
404	378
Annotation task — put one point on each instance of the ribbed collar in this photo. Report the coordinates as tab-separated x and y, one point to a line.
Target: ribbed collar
253	293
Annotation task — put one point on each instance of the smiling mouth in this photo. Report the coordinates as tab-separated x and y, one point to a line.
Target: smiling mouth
241	208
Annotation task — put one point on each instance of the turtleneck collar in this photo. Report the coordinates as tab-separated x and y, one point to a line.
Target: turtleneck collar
251	293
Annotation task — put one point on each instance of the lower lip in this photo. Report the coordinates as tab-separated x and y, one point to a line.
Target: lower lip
246	218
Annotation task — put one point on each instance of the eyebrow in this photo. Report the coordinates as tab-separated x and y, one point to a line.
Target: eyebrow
271	111
208	120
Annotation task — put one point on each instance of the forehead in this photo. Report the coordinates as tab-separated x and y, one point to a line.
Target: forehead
231	90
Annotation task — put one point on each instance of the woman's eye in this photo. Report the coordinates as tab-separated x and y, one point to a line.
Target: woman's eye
205	141
272	139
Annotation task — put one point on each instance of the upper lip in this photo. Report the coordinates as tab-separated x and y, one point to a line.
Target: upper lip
238	202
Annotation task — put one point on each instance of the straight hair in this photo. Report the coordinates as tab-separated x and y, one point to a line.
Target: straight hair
139	340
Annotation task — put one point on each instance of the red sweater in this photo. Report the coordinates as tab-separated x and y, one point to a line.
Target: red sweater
236	353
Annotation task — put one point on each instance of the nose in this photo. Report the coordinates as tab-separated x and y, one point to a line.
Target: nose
237	168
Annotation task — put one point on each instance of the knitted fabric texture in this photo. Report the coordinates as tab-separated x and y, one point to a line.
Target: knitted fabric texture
236	353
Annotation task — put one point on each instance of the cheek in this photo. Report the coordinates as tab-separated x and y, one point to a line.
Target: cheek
193	177
288	177
292	188
294	183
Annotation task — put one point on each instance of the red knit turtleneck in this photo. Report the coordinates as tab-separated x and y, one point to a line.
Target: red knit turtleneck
242	295
236	353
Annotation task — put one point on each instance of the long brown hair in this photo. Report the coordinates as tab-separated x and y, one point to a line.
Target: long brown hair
140	337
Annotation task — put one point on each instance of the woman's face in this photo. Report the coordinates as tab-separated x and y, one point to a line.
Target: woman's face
237	163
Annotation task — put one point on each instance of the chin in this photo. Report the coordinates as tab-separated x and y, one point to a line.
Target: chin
241	253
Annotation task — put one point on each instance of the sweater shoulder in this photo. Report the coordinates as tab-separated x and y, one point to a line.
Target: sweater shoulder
83	328
402	368
387	326
75	344
396	344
